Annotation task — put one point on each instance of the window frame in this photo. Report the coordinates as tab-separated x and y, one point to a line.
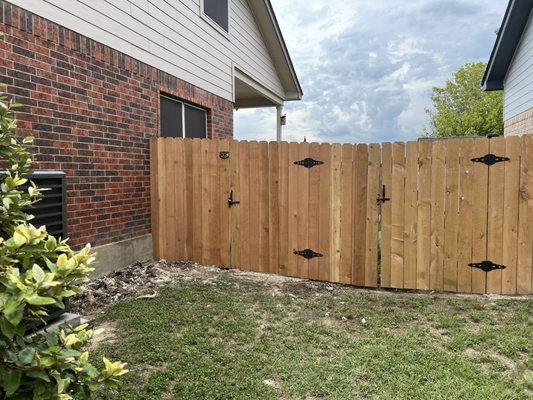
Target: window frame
213	23
183	104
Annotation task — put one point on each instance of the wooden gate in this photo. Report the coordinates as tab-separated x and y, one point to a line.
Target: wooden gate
297	209
459	219
443	219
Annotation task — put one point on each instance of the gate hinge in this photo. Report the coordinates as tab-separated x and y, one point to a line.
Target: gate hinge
308	162
486	266
490	159
307	253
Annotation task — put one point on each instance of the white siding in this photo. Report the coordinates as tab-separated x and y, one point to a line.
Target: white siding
172	36
518	84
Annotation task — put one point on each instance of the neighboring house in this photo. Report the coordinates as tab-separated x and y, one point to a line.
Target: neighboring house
99	78
510	67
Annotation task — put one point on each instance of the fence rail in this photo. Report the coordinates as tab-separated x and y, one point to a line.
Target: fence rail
433	214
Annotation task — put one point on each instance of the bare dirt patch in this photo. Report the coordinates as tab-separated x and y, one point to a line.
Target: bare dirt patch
144	279
105	333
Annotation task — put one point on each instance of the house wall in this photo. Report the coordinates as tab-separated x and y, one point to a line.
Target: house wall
521	124
172	35
92	111
518	83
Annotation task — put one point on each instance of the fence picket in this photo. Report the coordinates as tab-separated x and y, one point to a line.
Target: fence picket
479	215
273	207
324	227
495	224
397	223
293	210
243	209
314	209
372	215
264	209
525	225
451	215
206	168
189	199
410	216
510	216
255	202
197	204
359	193
283	266
224	166
386	215
180	228
438	189
156	186
423	245
335	232
303	211
169	199
346	213
234	186
466	203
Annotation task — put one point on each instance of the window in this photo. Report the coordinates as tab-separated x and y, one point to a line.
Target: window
178	119
218	11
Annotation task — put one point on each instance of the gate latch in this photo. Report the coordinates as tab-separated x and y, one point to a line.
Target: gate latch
381	197
232	202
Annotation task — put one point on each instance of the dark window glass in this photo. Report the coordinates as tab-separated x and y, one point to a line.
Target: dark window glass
195	122
217	10
171	118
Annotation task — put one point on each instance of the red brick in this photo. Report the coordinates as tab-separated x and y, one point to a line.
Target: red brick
93	116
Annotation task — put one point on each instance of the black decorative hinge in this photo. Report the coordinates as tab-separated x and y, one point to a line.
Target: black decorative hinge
490	159
486	266
307	253
381	197
232	202
308	162
224	155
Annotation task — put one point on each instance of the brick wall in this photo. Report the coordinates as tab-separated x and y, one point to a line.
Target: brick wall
92	111
521	124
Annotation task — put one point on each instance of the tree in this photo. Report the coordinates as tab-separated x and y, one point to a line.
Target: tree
37	272
462	108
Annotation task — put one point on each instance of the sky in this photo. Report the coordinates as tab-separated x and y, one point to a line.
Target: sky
367	67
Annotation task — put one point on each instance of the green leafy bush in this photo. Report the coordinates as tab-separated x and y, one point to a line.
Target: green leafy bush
38	272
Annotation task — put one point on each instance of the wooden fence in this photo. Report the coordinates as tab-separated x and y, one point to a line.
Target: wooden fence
443	220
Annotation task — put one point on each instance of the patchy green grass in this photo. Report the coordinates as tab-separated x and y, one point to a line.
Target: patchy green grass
237	338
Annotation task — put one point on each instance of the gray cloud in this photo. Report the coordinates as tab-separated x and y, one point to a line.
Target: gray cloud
367	67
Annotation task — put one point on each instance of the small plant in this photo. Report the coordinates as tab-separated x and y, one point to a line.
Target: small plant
38	272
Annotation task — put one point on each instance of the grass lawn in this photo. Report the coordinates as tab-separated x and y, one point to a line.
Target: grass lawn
232	337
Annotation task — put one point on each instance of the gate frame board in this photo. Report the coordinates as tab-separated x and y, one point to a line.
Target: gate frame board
410	216
525	224
450	266
423	215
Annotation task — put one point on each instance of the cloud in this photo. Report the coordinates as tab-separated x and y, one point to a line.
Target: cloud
367	67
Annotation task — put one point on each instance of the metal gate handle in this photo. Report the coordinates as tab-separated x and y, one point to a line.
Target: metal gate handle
381	196
232	202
